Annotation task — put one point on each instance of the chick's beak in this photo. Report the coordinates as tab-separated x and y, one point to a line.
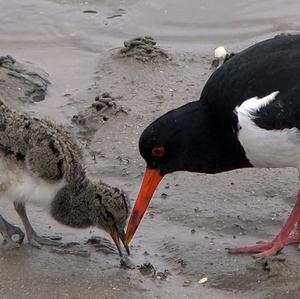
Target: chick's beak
152	177
117	234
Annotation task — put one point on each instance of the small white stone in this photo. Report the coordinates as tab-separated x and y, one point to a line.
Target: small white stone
203	280
220	52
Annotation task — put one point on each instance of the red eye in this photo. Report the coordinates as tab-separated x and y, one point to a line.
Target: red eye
158	151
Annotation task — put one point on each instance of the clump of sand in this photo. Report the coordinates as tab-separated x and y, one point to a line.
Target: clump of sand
144	49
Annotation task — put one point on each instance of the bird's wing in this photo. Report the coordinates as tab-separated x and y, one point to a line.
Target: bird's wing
268	66
268	129
278	111
45	160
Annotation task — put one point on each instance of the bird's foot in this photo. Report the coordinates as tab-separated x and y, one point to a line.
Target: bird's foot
12	235
284	237
262	248
37	241
267	248
10	243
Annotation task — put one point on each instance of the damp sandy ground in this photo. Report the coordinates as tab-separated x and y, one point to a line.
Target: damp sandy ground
192	217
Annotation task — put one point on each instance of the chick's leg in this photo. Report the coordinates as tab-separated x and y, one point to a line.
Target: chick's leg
33	238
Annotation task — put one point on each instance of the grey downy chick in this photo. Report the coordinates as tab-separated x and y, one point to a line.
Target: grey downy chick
41	162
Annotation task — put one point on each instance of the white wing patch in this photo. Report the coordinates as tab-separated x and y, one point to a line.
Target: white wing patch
252	105
267	148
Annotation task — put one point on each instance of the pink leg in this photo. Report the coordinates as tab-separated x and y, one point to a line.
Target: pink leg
295	237
292	239
282	239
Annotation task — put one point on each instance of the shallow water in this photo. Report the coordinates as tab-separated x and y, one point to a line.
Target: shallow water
224	210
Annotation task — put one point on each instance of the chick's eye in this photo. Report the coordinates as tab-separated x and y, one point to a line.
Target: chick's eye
158	151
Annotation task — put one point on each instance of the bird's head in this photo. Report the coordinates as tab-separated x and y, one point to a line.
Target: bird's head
171	143
112	211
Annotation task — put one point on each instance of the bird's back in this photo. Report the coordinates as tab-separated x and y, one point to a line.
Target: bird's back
48	151
268	66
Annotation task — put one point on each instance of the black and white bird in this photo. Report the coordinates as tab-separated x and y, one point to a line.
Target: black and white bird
248	115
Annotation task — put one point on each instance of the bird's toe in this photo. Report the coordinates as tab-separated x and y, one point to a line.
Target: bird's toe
34	243
53	238
37	241
258	247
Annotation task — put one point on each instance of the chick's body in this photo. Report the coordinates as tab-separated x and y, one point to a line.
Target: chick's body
42	162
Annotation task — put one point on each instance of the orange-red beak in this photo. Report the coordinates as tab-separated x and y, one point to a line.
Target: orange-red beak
152	177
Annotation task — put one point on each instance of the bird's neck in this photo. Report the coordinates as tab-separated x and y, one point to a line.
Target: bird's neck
73	205
225	151
213	136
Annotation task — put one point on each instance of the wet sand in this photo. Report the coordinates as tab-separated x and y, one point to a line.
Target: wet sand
192	217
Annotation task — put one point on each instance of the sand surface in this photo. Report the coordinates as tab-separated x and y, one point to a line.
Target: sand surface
107	99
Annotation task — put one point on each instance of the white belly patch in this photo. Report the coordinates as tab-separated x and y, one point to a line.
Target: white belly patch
18	184
267	148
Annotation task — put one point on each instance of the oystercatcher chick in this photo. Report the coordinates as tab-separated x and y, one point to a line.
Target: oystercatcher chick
42	163
248	115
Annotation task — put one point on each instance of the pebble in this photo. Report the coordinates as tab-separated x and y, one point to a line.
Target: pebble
147	269
164	195
203	280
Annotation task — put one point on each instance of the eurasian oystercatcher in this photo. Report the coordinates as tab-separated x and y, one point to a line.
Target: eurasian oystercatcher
248	115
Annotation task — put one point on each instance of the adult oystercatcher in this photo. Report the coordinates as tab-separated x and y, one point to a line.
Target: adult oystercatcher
43	163
248	115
